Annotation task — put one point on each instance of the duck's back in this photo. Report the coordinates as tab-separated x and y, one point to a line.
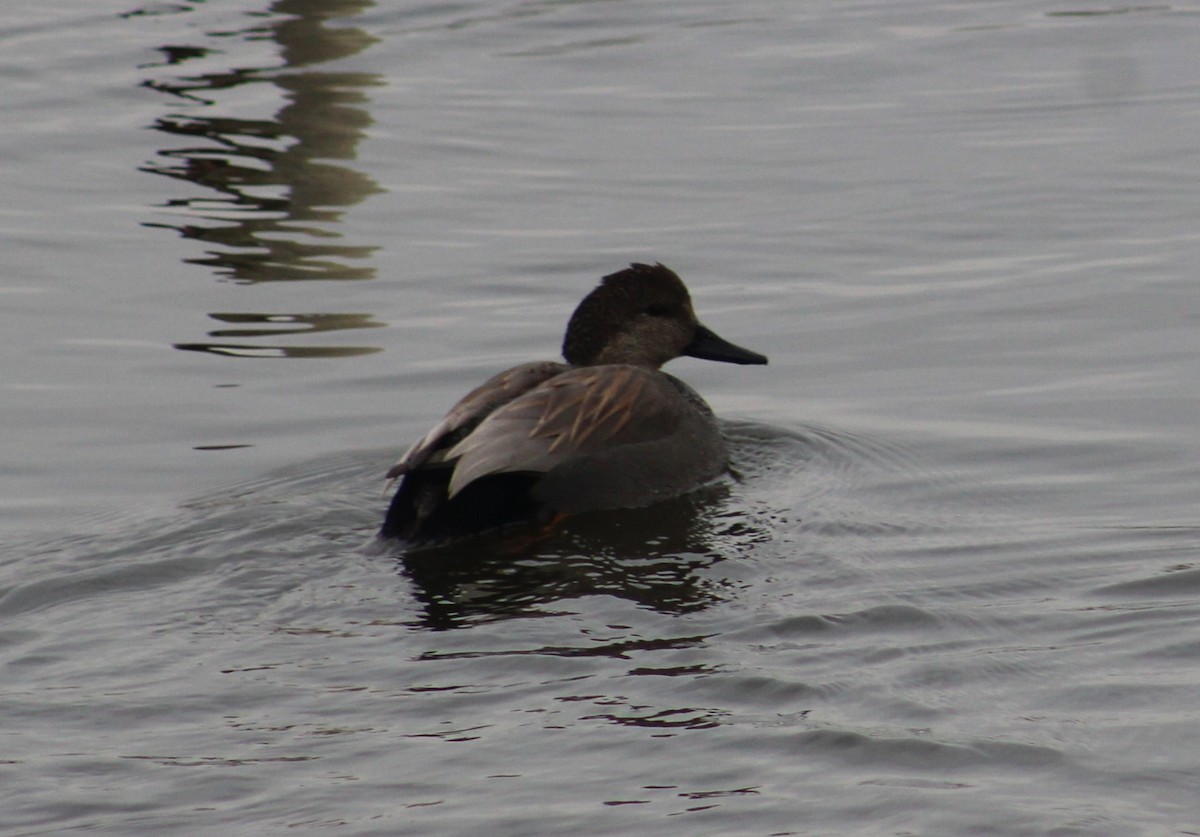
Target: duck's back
600	437
419	510
672	445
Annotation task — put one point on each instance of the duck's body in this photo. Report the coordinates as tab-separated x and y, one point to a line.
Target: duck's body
606	430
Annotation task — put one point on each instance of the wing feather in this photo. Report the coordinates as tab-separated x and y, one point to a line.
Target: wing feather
575	414
472	409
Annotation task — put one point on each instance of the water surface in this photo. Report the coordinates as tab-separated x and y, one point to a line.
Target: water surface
253	251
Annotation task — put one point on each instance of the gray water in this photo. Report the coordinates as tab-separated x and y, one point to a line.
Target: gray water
252	251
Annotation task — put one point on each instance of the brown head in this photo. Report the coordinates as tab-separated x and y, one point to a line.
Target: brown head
643	316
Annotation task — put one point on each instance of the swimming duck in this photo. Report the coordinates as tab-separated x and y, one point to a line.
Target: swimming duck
606	430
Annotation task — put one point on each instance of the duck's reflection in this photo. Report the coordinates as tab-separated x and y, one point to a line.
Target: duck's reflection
655	557
271	199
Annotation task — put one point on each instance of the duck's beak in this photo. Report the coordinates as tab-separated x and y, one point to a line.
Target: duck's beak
706	345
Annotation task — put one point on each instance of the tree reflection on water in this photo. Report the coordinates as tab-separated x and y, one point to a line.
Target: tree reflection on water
271	200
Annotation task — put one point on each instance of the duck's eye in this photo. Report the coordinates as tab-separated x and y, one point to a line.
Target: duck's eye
657	310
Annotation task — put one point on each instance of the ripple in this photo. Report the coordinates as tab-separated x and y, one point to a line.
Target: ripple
921	754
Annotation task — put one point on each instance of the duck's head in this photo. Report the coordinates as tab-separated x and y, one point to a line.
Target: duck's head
643	316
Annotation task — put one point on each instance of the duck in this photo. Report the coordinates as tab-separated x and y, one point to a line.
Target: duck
607	429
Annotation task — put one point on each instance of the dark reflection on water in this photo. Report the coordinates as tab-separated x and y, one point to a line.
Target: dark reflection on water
654	557
300	323
270	199
661	558
288	324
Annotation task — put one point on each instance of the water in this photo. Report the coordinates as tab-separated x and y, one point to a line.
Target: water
253	251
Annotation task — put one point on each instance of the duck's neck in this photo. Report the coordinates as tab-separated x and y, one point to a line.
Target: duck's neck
627	350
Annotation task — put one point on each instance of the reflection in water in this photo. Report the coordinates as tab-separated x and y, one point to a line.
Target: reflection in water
270	200
654	557
289	324
294	323
661	558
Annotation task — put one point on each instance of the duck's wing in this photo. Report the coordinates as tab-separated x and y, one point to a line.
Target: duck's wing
474	407
574	414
